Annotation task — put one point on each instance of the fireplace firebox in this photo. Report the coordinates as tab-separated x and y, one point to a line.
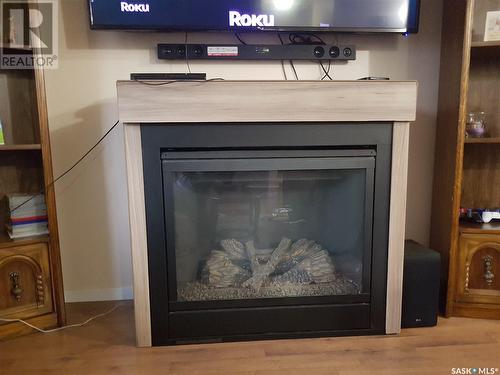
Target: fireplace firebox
282	234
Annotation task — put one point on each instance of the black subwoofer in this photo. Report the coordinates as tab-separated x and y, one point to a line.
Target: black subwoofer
420	286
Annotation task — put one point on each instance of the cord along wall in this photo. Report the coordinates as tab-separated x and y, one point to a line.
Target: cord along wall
81	94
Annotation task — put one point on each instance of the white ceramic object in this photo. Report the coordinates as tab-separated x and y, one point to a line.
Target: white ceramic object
487	216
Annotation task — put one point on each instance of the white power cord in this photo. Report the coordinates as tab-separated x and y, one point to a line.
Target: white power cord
60	328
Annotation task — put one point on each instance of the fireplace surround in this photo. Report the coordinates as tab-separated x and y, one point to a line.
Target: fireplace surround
255	221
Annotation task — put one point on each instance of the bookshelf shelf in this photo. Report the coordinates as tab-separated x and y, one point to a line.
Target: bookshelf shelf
6	242
486	44
20	147
473	228
8	47
493	140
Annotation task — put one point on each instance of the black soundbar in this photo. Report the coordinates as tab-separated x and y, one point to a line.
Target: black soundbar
256	52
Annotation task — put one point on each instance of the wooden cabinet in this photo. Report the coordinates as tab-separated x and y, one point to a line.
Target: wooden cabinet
25	283
479	269
467	170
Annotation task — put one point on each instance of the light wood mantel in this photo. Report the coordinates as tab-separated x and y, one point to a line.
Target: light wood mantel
269	102
266	101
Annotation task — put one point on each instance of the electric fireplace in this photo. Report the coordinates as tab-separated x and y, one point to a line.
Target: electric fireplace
254	230
268	228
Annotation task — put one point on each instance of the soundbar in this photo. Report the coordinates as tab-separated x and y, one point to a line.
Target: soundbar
256	52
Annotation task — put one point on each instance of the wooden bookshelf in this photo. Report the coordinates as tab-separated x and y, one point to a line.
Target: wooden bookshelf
26	168
467	170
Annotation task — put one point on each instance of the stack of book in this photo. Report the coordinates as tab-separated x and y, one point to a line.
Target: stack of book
28	216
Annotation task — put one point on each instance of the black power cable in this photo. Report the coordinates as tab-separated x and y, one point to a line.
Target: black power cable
291	62
304	38
282	62
101	139
68	170
326	71
294	70
186	52
163	83
239	38
308	38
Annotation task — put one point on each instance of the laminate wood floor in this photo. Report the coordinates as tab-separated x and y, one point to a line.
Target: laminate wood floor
106	346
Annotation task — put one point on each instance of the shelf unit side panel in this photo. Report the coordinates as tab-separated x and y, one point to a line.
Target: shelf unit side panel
455	57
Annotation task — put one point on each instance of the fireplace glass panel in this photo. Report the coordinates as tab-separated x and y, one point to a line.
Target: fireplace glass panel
270	233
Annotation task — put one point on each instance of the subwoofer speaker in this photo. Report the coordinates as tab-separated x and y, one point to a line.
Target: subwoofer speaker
420	286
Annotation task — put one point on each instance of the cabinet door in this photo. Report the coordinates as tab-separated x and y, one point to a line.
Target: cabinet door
25	286
479	269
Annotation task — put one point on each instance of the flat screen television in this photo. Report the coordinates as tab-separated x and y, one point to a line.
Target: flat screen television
400	16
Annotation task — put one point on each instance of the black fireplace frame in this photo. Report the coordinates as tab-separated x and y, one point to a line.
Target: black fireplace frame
270	318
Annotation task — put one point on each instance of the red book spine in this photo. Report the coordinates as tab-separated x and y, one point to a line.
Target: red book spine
31	219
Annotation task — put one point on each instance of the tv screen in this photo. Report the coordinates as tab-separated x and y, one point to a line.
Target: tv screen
237	15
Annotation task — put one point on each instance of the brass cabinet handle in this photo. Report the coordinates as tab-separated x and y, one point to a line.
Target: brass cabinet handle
40	290
488	269
16	289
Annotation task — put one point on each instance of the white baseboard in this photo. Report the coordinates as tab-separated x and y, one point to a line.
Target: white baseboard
89	295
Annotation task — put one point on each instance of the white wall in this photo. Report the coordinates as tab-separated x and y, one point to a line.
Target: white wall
92	204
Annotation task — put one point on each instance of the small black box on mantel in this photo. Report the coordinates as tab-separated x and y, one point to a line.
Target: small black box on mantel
420	286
